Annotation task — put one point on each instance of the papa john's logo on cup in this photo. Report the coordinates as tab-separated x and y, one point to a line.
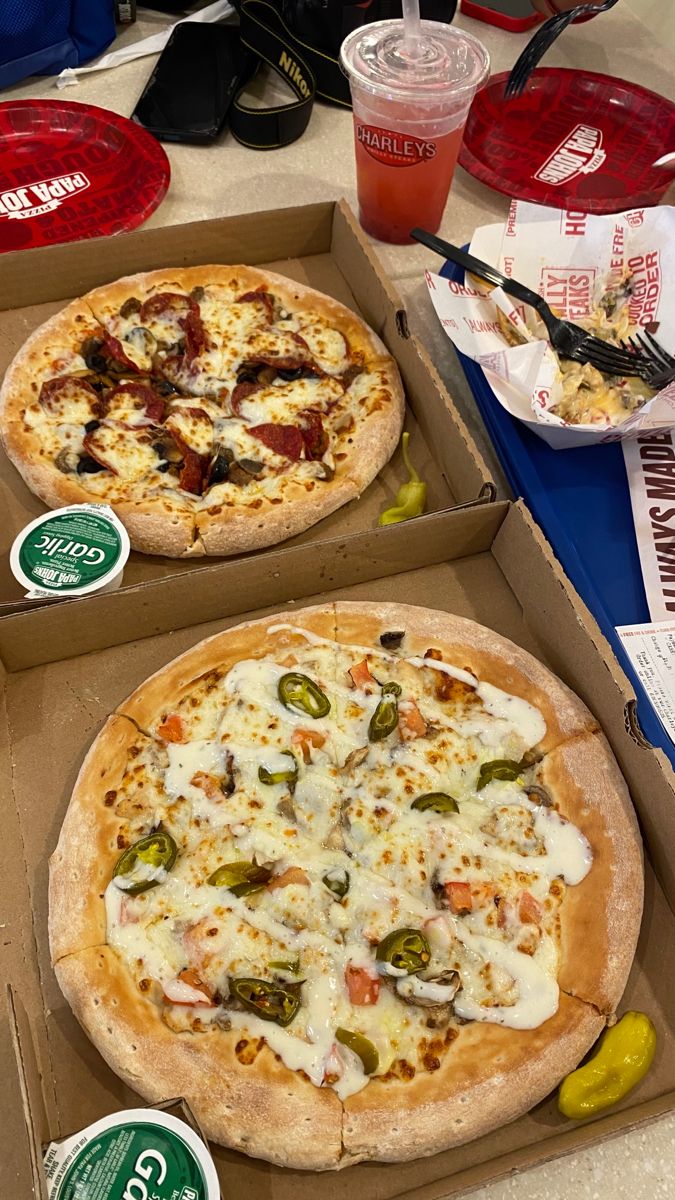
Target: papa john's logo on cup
37	198
394	149
580	153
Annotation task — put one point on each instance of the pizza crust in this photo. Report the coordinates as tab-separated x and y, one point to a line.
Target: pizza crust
262	1109
489	1076
600	917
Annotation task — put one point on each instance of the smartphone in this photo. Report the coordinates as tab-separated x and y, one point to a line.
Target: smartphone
514	15
194	82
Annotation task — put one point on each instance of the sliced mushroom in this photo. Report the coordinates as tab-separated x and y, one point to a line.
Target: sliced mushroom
67	461
286	808
392	640
429	992
130	306
356	757
539	793
142	340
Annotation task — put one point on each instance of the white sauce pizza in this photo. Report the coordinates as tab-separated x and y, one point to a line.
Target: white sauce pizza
370	867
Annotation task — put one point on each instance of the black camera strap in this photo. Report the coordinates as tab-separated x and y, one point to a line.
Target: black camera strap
308	72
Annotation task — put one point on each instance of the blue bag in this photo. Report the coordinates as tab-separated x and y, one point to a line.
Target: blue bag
44	36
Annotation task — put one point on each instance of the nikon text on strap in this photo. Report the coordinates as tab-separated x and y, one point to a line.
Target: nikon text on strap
307	71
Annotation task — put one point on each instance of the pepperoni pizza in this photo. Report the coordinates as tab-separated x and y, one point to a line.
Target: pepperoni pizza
216	409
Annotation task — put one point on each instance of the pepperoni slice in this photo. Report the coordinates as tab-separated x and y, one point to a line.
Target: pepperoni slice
240	393
313	434
192	474
152	405
55	394
263	297
166	304
195	334
286	440
89	446
115	351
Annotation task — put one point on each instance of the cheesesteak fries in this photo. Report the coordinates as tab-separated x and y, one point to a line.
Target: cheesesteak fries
216	409
362	881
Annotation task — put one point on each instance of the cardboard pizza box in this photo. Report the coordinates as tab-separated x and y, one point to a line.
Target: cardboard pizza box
321	245
62	678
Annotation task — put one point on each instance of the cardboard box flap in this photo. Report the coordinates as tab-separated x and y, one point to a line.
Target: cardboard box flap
462	562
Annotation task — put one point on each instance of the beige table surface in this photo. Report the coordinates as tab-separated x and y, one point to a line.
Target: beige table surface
227	179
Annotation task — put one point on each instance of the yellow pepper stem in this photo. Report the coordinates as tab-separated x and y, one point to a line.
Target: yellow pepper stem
411	496
624	1055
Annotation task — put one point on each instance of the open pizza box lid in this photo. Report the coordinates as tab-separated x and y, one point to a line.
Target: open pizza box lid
320	245
487	562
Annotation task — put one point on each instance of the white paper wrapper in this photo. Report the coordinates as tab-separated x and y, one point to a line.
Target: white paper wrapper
570	258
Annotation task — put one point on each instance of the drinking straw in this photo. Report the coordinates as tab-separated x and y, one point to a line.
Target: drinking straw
411	24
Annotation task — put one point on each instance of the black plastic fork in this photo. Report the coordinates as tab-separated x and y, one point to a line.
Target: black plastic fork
570	340
663	363
542	41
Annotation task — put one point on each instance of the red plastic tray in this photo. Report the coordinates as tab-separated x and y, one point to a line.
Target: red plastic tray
574	139
70	171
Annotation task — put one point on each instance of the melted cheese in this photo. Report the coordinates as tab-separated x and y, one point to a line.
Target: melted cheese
351	822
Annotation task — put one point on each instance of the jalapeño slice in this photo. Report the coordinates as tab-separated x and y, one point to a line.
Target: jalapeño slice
500	768
385	718
404	950
288	776
154	852
266	1000
301	694
438	802
241	878
362	1046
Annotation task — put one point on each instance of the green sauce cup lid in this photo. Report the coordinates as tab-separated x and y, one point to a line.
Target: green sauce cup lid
137	1154
72	551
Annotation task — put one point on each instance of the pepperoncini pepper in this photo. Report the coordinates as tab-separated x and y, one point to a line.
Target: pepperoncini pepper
288	776
362	1046
623	1057
438	802
500	768
411	496
242	878
405	950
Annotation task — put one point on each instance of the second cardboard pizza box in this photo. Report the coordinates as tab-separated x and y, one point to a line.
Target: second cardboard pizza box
320	245
486	562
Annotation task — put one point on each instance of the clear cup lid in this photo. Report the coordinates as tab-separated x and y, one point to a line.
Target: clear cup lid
444	60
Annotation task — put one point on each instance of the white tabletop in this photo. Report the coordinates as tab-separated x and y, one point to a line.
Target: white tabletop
227	178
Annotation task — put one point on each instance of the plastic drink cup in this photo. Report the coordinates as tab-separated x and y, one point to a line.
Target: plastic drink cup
410	100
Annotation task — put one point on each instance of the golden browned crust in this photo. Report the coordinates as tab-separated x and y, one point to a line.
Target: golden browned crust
79	869
481	651
489	1076
600	917
261	1108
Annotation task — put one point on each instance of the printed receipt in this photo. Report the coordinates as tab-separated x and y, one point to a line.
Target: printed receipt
651	649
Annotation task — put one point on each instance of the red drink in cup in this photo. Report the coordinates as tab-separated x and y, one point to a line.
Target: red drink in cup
410	101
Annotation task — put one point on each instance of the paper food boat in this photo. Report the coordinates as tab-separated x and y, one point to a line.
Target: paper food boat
570	258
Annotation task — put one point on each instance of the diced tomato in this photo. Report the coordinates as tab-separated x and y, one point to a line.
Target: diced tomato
529	909
411	723
306	739
189	977
172	728
287	877
459	897
363	987
208	784
361	677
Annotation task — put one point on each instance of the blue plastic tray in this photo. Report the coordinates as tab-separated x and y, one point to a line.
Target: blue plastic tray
580	498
